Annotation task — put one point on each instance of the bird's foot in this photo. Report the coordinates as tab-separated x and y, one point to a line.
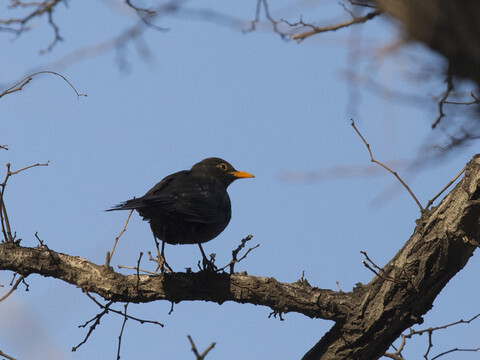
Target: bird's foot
162	264
208	265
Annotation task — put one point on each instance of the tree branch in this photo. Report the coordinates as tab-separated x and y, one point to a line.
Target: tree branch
175	287
444	239
367	320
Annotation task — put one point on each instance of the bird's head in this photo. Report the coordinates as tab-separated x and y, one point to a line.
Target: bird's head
220	169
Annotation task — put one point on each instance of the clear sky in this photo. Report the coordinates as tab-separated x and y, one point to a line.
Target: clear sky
277	109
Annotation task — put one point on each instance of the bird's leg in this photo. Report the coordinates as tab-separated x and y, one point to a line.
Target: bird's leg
207	264
161	262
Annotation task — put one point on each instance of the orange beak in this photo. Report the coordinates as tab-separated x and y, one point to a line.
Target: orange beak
241	174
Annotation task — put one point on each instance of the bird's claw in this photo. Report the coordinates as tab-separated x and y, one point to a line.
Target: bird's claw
162	265
208	265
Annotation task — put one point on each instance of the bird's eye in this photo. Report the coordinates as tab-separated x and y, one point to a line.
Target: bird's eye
223	166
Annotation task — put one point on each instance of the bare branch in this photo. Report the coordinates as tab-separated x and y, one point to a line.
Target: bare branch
316	30
141	321
386	167
20	25
96	321
6	229
235	254
6	356
110	253
199	356
13	288
430	202
20	85
454	350
475	101
176	287
450	88
125	318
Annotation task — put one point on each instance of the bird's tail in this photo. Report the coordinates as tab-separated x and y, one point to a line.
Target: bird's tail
131	204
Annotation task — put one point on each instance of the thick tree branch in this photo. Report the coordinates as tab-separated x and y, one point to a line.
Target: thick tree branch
444	239
176	287
367	320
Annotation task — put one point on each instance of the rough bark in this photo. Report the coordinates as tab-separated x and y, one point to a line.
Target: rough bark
450	27
367	320
444	239
176	287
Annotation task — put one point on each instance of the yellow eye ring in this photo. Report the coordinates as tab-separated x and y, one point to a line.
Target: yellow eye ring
222	166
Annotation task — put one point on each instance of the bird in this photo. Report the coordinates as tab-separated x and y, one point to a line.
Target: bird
189	206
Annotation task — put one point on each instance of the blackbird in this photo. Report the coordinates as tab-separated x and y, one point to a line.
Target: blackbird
190	206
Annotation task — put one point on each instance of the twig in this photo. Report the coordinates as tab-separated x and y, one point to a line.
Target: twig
449	82
7	232
476	100
56	31
137	269
235	254
394	173
253	23
316	30
199	356
397	355
19	85
141	321
110	253
6	356
121	331
14	287
96	320
19	25
453	350
393	356
430	202
381	273
398	352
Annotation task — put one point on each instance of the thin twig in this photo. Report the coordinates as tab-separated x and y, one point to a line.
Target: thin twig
429	331
394	173
199	356
316	30
449	82
235	254
141	321
121	331
137	269
381	273
430	202
110	253
6	356
476	100
96	321
6	229
453	350
19	85
13	288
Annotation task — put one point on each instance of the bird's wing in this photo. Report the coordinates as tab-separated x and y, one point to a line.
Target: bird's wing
141	202
204	205
176	196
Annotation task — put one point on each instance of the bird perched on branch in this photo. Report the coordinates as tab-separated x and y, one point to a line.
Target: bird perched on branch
190	206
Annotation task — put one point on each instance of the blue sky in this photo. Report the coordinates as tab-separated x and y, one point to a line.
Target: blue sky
267	106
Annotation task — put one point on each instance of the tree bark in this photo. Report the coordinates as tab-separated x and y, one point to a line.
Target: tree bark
367	320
